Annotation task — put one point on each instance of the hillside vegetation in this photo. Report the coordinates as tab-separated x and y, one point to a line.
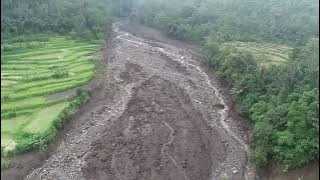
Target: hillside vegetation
227	20
47	47
264	53
281	100
267	51
88	19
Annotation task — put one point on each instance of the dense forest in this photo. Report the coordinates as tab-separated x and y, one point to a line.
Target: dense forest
282	101
249	20
86	18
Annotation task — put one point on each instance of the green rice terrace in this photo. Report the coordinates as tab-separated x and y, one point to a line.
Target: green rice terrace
265	53
32	71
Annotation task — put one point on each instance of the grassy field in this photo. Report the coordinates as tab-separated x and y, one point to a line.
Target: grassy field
265	53
29	73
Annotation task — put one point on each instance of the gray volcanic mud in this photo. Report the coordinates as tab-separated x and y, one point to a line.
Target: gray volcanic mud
155	115
159	136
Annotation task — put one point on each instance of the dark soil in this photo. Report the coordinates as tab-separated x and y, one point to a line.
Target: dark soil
132	73
159	136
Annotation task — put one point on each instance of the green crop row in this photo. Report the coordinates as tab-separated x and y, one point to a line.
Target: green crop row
29	120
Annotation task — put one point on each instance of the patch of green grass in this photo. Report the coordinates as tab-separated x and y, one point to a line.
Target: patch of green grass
265	53
7	82
12	125
23	104
6	139
8	144
42	120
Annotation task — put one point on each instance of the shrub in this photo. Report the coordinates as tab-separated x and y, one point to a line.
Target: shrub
60	72
5	164
81	98
259	157
12	113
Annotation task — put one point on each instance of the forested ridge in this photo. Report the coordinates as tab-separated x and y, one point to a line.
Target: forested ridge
85	18
282	101
228	20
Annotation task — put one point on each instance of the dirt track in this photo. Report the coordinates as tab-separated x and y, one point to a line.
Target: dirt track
154	115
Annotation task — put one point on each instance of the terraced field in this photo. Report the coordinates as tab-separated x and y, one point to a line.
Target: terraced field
265	53
28	76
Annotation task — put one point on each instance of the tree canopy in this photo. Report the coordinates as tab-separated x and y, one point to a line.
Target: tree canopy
20	17
244	20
